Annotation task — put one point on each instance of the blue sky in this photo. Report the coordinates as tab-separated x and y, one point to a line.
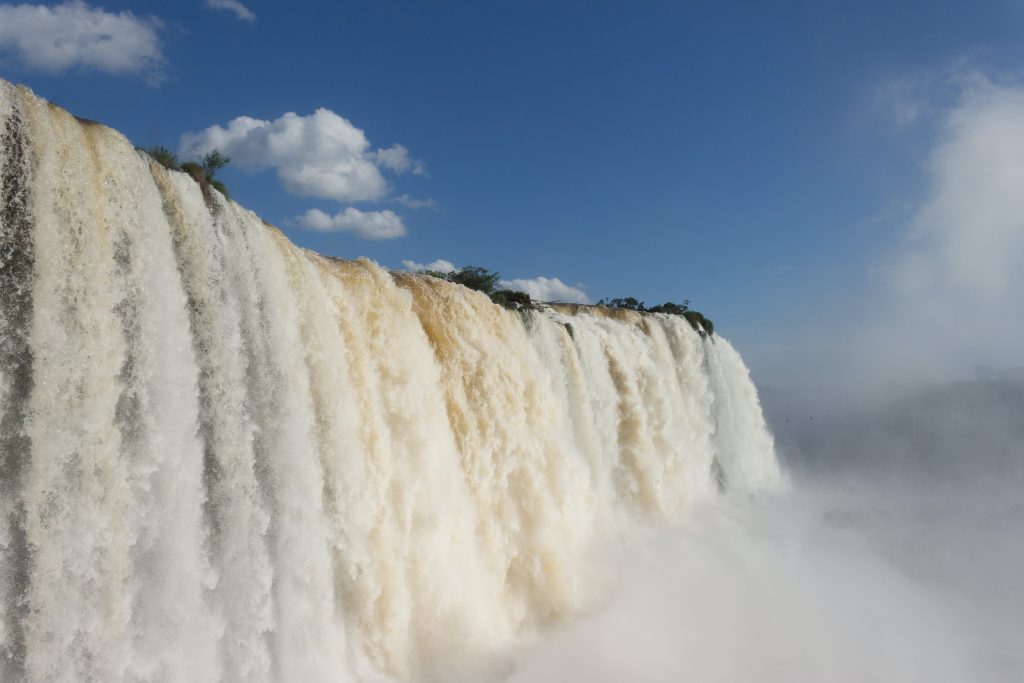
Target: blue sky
760	159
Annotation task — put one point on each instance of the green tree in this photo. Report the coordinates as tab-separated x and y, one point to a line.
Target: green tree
695	318
474	277
671	307
699	322
203	171
214	161
628	303
486	281
164	157
509	298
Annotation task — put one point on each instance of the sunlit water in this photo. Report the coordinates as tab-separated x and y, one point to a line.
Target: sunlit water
227	458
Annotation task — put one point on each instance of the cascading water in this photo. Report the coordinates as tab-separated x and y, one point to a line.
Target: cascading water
227	458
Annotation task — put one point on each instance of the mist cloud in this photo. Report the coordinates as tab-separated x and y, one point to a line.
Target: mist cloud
942	297
956	279
799	588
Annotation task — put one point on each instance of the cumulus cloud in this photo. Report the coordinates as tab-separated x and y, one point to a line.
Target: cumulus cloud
233	6
75	35
319	155
396	158
547	289
438	266
371	225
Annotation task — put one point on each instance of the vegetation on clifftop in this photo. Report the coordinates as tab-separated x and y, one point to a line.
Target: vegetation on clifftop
202	171
696	319
486	281
629	303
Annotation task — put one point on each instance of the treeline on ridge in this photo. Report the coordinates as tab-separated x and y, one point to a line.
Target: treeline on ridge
487	281
697	320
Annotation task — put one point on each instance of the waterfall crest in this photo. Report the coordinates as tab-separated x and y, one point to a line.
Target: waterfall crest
228	458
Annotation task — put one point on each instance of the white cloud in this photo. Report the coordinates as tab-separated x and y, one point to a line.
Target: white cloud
956	281
539	288
945	297
234	6
396	158
440	266
967	239
547	289
371	225
413	203
74	35
320	155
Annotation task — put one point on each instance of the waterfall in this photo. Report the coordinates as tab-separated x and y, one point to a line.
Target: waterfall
228	458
